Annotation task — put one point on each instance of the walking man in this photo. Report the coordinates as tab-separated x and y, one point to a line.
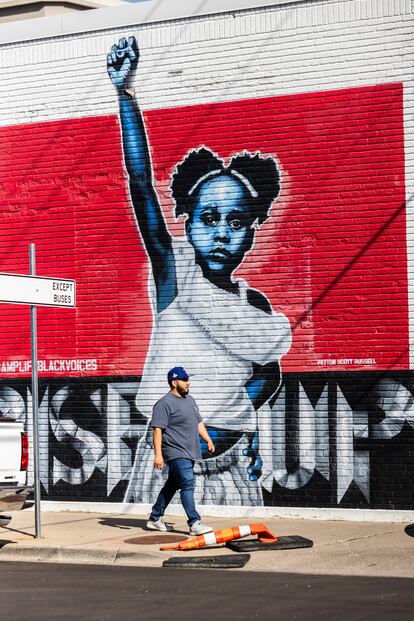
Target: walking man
177	425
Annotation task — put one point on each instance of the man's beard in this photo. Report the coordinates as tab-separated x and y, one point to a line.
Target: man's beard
183	392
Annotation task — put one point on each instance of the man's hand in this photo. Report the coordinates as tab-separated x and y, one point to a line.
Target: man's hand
122	61
210	446
158	462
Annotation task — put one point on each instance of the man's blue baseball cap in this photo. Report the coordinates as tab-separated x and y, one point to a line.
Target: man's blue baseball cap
177	373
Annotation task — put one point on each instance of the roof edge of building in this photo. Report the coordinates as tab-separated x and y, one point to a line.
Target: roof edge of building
125	14
7	4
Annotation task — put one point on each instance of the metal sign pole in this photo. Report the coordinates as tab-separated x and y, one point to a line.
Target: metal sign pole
33	290
35	399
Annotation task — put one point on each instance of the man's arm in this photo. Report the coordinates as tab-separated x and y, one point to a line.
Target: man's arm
204	434
157	440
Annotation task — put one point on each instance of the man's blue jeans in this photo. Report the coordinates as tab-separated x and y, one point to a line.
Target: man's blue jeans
180	477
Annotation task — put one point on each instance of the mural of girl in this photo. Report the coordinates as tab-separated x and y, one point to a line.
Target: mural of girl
224	333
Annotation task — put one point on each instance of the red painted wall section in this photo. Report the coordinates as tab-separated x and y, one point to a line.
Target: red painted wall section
63	187
332	256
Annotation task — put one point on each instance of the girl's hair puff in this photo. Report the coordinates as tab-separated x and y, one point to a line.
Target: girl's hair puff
196	163
261	173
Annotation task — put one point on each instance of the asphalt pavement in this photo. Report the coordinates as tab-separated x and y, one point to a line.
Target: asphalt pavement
64	592
341	548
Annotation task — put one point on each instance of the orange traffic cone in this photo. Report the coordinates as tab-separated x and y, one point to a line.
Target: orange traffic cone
228	534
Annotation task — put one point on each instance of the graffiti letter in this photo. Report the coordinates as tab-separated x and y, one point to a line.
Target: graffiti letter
351	465
312	449
397	403
89	446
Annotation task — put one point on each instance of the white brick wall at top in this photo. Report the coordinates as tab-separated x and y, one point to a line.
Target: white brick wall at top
306	47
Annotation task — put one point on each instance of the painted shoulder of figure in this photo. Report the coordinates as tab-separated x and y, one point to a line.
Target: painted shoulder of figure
259	300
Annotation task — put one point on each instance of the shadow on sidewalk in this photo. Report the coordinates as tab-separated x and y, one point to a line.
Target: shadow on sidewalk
409	530
123	523
4	542
128	523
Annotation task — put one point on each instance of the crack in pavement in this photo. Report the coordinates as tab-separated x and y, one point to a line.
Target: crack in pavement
360	538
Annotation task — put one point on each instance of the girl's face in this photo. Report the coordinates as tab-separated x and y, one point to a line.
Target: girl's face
220	228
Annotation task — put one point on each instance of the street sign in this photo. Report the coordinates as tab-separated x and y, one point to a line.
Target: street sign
35	290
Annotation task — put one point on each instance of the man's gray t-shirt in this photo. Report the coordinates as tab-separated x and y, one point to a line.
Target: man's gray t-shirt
178	417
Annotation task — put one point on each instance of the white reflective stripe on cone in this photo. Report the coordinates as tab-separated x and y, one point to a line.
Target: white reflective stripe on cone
245	530
210	538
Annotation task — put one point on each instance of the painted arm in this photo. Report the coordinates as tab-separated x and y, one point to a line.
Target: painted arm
122	63
261	386
265	379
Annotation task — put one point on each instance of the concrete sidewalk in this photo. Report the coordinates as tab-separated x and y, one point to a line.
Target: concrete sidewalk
341	548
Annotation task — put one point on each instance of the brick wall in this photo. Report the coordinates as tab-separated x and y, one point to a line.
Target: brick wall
315	415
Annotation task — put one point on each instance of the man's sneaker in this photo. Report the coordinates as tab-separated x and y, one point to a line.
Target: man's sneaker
198	528
159	525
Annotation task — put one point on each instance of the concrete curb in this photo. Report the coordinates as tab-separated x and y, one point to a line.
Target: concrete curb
58	554
235	511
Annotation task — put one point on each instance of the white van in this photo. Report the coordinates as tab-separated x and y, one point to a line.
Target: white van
14	460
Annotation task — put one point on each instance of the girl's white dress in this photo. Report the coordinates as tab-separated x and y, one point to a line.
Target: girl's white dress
215	336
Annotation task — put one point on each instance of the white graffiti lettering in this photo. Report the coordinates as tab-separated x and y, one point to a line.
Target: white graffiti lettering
329	437
88	445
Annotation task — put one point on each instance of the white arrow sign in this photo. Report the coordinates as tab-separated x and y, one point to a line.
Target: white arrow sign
20	289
